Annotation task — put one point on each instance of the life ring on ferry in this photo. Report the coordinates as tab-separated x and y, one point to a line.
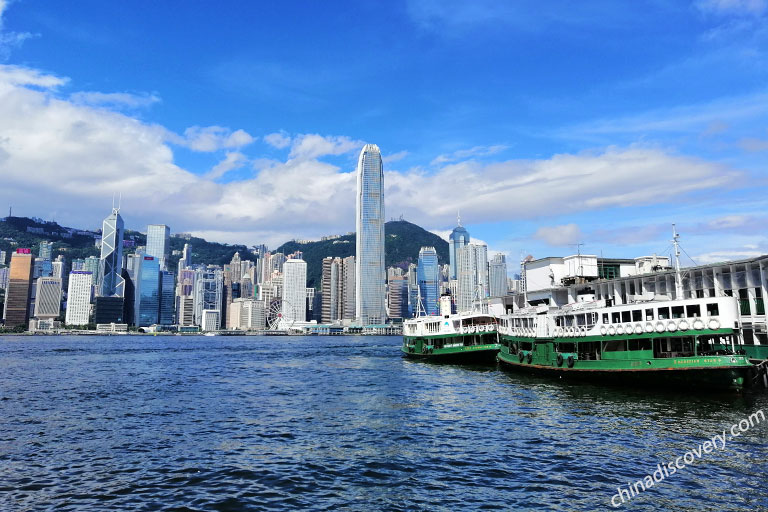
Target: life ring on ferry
649	327
638	329
570	361
583	331
671	326
611	330
683	325
714	324
529	358
620	329
559	359
698	324
629	329
660	327
603	330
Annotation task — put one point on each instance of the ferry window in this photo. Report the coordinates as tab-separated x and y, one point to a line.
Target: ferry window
678	311
615	317
526	345
615	346
605	318
641	344
713	310
625	316
649	314
566	347
581	320
592	319
693	311
637	315
663	313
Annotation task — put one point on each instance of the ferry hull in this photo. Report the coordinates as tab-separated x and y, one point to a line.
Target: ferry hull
477	354
711	378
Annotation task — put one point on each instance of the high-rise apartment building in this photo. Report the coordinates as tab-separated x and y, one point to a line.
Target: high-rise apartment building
159	243
370	279
78	298
111	262
397	297
186	257
17	295
48	298
294	291
428	274
497	276
472	276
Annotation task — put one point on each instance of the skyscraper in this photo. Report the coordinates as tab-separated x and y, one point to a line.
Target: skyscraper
111	262
294	291
370	282
17	295
458	238
158	243
472	275
428	274
167	298
78	298
497	276
186	257
48	300
147	306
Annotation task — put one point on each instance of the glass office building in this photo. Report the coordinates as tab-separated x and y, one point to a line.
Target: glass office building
370	282
158	243
428	275
111	262
147	292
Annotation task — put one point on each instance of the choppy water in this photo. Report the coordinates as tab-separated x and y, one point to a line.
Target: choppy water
342	423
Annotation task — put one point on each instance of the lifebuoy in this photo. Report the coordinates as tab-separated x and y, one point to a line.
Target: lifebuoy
611	330
649	327
603	330
683	325
559	359
714	324
570	361
521	356
698	324
671	326
638	329
660	326
620	329
583	331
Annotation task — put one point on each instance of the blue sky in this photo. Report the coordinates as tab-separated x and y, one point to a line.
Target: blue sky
546	124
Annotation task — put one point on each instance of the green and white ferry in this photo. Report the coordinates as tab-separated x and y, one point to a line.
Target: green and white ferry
469	337
690	343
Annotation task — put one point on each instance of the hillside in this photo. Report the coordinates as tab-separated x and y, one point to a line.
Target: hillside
403	241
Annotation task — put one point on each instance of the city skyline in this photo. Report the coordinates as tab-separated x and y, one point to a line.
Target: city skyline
587	149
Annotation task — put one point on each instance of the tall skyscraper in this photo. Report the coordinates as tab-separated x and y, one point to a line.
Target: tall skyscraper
294	291
147	293
209	293
159	243
48	299
78	298
397	297
45	252
497	276
370	280
167	298
111	261
458	238
17	295
3	258
472	274
186	256
428	274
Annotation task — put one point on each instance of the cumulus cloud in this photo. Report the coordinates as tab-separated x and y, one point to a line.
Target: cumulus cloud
279	140
61	157
720	256
211	138
115	99
9	40
394	157
312	145
559	236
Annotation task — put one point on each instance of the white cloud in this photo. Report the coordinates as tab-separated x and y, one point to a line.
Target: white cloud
312	145
720	256
738	7
394	157
115	99
463	154
279	140
211	138
20	76
559	236
9	40
233	160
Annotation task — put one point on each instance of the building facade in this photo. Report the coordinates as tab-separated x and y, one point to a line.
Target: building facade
18	293
48	298
78	298
294	291
458	238
370	282
428	274
497	276
111	261
159	243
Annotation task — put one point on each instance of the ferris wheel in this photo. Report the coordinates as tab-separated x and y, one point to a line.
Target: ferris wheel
276	319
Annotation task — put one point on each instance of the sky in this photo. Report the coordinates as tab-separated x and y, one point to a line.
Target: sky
551	127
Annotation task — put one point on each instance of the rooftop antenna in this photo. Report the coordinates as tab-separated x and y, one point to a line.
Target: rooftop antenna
678	277
119	201
579	268
458	217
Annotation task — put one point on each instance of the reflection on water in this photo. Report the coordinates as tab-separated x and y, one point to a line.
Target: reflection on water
319	423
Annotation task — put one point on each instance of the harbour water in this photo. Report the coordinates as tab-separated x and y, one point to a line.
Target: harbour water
344	423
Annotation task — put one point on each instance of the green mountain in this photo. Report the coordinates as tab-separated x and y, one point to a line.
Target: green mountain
403	241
